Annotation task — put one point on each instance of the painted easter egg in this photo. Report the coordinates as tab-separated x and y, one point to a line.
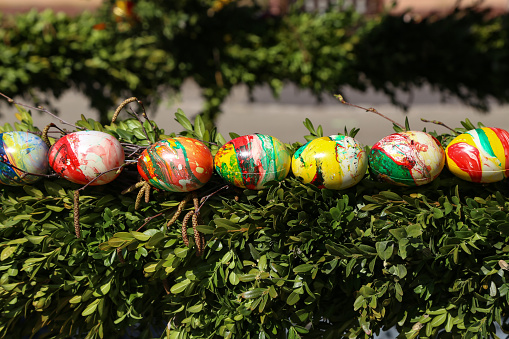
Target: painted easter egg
251	161
335	162
480	155
176	164
22	153
409	158
82	156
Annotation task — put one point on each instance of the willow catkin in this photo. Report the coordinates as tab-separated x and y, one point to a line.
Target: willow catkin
184	227
197	235
140	195
133	187
76	206
122	105
44	135
120	255
147	192
177	213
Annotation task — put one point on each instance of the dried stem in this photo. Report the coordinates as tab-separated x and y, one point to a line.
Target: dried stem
40	108
372	110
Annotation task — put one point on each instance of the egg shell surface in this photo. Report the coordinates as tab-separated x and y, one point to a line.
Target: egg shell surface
25	151
480	155
250	161
81	156
177	164
410	158
335	162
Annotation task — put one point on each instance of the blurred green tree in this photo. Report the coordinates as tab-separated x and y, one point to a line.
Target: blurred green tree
149	49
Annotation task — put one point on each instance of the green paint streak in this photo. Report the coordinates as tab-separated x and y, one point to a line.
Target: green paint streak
386	166
485	142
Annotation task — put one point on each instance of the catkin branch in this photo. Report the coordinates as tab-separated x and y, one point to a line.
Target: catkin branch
77	228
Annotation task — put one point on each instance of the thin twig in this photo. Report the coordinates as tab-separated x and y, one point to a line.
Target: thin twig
25	173
149	219
436	122
42	109
372	110
101	174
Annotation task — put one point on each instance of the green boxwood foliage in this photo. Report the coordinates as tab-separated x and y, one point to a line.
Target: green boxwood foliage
288	261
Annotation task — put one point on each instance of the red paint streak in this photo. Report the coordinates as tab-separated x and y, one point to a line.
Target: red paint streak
467	158
400	142
503	136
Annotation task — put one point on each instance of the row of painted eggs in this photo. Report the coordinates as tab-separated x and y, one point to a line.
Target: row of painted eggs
184	164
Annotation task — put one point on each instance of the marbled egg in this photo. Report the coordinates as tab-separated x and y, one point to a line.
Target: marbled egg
251	161
409	158
22	153
176	164
335	162
480	155
82	156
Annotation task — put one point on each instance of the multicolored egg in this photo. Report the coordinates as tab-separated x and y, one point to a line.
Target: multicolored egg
409	158
22	153
480	155
176	164
335	162
251	161
82	156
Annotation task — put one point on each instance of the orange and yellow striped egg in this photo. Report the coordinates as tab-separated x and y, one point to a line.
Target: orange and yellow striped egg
177	164
480	155
335	162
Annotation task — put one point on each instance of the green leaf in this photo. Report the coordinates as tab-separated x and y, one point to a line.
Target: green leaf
234	278
439	319
196	308
254	293
180	287
199	127
182	120
303	268
7	252
384	249
90	308
293	298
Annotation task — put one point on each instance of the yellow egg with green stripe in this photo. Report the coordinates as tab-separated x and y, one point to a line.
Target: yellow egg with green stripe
480	155
335	162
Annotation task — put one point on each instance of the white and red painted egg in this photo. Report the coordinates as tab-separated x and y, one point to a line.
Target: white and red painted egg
82	156
410	158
